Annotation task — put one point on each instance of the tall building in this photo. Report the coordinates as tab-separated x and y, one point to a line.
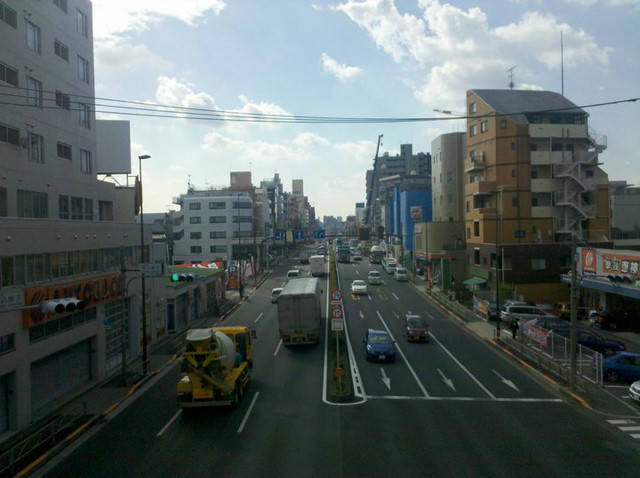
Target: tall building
64	232
625	218
532	184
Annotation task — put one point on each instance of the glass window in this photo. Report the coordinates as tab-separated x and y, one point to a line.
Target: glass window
76	208
63	207
32	204
194	206
217	205
85	161
196	249
63	100
217	219
472	108
473	130
195	235
61	50
8	15
88	209
83	69
484	126
36	148
217	234
195	220
82	24
34	92
33	35
9	134
84	115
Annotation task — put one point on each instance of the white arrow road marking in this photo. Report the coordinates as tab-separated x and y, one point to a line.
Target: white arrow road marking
256	321
446	380
386	380
395	314
507	382
394	294
361	314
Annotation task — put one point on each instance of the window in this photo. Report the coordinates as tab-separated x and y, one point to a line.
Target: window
484	126
82	24
519	234
85	161
514	202
196	249
194	206
63	207
217	219
9	134
556	147
8	15
218	249
32	33
476	228
83	69
8	74
61	50
4	207
237	219
7	343
61	4
84	115
63	100
217	205
242	205
473	130
88	209
534	202
34	92
538	264
195	235
472	108
503	124
533	147
36	148
64	150
217	234
32	204
195	220
76	208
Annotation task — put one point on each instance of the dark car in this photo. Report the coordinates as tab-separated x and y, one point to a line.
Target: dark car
618	319
415	328
622	366
593	341
378	345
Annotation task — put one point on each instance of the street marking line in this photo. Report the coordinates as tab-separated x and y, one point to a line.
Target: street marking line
258	318
246	415
173	418
630	429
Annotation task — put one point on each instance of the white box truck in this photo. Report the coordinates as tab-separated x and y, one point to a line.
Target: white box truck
317	266
299	311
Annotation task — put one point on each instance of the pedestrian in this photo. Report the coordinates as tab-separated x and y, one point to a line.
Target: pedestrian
241	289
514	327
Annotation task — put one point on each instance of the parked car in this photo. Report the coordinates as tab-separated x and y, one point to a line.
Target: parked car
593	341
522	312
275	293
621	366
375	278
378	345
359	286
415	328
293	274
634	391
509	303
400	274
548	307
618	319
550	322
564	310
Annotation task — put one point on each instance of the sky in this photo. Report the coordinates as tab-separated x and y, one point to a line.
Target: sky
229	61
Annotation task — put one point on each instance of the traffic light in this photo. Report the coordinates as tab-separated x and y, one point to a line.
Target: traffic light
621	278
175	277
59	306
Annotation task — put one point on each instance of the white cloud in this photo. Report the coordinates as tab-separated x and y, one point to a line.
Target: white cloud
122	16
340	71
171	91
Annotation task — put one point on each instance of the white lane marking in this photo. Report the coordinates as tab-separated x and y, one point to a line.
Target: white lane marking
462	366
506	381
446	380
404	357
173	418
258	318
246	415
394	294
386	380
278	347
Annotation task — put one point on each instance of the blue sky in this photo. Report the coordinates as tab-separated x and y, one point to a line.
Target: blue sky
365	58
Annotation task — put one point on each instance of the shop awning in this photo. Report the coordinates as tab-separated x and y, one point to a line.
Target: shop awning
474	281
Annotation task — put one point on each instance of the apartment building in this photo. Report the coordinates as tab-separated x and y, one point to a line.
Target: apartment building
532	184
64	233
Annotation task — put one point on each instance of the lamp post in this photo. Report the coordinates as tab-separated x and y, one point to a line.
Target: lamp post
144	293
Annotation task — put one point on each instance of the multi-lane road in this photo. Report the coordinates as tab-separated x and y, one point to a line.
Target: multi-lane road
455	406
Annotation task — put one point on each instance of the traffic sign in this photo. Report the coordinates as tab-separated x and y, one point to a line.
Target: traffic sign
278	235
336	294
336	312
337	324
319	234
298	235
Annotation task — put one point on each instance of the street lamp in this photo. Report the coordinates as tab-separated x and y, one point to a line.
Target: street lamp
144	293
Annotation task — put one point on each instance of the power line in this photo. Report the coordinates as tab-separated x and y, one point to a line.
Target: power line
156	110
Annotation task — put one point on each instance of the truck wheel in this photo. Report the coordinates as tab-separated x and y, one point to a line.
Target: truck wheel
236	395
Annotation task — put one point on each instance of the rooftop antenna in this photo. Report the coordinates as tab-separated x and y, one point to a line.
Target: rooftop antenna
511	83
561	64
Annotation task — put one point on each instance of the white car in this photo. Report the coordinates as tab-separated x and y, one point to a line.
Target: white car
375	278
293	274
359	287
275	293
400	274
634	391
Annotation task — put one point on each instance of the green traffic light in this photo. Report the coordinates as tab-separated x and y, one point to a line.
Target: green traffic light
175	278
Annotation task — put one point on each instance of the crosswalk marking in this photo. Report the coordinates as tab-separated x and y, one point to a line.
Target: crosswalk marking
627	426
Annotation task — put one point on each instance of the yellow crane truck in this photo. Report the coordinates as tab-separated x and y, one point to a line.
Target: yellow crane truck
216	366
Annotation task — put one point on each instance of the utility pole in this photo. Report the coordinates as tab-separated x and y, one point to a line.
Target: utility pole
573	335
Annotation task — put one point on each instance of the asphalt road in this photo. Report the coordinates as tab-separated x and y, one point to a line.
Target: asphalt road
453	407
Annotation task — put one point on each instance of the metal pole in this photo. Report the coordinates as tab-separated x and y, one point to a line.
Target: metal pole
497	275
145	367
573	336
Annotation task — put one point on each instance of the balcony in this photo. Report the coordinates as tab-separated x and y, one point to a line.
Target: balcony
481	188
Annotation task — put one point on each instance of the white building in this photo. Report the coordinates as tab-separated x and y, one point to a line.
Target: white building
64	233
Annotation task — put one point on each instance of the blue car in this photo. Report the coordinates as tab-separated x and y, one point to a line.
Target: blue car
622	366
378	345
